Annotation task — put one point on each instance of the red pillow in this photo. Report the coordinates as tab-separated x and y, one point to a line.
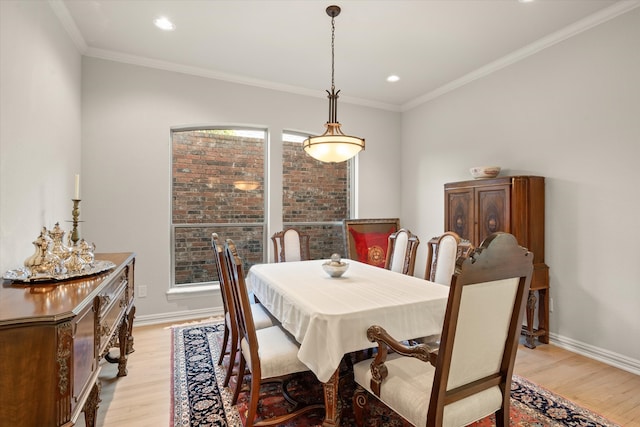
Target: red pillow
371	247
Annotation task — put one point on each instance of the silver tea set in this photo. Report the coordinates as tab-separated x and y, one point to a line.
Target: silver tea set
52	257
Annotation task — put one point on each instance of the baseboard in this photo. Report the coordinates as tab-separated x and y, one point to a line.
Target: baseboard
178	316
605	356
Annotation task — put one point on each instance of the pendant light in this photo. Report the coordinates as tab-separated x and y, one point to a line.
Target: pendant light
333	146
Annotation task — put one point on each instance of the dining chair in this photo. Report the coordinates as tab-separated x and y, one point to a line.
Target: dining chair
271	354
442	252
469	376
230	339
401	252
290	245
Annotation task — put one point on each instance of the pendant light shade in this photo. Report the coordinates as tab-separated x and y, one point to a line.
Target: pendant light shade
333	146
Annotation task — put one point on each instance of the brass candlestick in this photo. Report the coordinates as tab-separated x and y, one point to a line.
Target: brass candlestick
75	235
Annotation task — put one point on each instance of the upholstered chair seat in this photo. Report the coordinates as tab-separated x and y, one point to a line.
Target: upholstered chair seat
278	353
261	317
407	391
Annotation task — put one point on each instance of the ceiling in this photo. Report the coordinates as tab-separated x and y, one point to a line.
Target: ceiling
433	46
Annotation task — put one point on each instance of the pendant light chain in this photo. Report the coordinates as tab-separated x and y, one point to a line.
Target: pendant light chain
333	38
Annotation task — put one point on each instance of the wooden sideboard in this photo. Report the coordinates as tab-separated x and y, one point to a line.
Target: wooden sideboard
52	338
515	204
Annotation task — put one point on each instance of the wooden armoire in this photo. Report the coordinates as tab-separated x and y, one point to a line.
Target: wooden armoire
474	209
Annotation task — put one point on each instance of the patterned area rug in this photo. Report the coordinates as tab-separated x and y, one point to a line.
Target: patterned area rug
199	399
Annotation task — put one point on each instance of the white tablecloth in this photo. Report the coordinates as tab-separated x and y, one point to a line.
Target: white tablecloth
329	317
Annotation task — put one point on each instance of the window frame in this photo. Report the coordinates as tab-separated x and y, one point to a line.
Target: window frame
271	165
175	289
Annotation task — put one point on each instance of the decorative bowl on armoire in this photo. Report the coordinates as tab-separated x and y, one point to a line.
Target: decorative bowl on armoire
485	171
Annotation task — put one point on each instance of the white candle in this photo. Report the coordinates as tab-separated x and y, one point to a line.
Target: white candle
77	193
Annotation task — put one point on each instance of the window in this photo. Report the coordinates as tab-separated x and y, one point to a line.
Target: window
217	186
315	196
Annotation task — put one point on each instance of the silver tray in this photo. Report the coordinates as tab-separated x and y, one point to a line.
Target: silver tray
23	274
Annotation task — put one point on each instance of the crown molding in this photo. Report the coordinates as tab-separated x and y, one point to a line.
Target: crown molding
69	24
578	27
232	78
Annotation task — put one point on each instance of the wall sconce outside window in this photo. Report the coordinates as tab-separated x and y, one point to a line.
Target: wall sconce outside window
246	185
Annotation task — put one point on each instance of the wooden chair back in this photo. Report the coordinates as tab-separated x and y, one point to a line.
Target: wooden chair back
230	338
401	252
290	245
223	277
442	253
274	348
482	324
246	325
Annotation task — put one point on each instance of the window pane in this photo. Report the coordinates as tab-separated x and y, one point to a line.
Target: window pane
312	191
194	261
218	177
324	240
315	197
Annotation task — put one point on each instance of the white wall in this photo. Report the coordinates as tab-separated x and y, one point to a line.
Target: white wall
128	111
39	126
570	113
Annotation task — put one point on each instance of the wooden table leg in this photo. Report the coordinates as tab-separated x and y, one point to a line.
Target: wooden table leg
331	398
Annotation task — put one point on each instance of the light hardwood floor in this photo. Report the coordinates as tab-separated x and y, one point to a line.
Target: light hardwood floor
142	398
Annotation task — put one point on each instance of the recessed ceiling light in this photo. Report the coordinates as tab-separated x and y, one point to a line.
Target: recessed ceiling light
164	24
393	78
526	1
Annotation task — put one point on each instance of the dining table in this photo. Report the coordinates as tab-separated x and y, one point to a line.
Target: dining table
329	316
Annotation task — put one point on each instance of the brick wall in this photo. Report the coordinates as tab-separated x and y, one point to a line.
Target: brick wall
312	191
205	168
194	261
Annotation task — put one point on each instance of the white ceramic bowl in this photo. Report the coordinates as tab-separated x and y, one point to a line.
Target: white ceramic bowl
485	171
335	269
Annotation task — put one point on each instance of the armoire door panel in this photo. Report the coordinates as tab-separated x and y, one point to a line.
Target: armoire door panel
492	204
459	207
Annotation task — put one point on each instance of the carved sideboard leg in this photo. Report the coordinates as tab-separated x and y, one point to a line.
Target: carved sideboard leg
123	334
131	315
91	405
